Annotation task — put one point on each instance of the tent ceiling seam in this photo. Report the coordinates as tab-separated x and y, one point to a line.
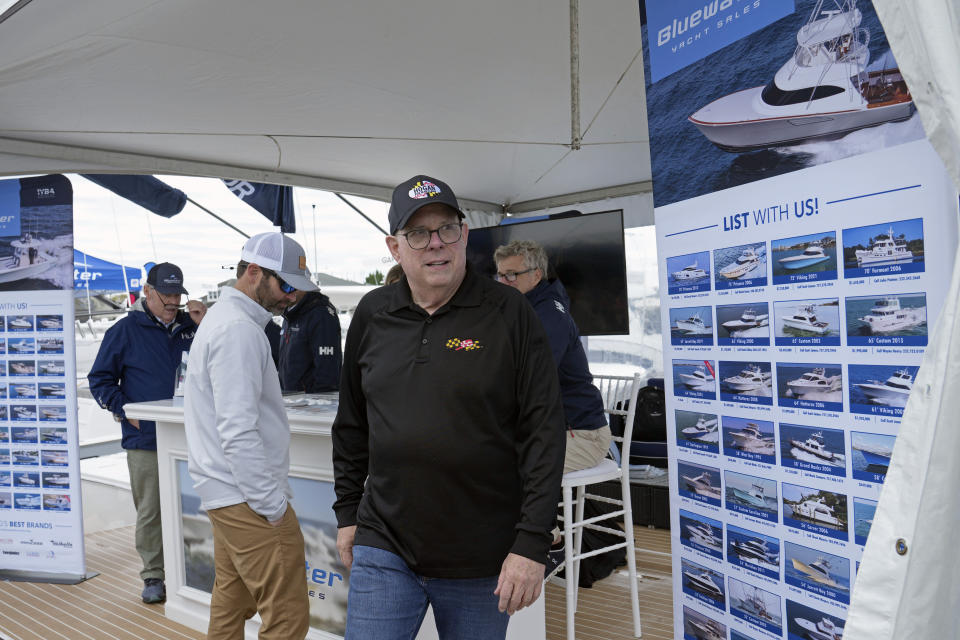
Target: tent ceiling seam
574	74
279	152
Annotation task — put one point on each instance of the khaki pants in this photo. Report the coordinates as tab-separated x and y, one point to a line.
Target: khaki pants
145	487
586	448
259	568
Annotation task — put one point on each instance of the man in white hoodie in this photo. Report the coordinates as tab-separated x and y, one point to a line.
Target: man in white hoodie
238	441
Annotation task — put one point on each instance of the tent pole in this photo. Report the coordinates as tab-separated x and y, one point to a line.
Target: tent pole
575	74
203	208
350	204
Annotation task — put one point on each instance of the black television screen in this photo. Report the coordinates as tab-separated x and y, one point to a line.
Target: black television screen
586	252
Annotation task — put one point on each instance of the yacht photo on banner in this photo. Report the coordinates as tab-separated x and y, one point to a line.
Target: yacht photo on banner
41	518
793	183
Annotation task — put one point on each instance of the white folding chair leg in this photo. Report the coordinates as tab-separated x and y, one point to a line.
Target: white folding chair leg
571	589
578	545
631	555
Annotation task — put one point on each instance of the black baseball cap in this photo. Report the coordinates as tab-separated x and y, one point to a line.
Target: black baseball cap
409	196
166	278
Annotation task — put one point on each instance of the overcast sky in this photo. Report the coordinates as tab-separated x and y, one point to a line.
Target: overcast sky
113	228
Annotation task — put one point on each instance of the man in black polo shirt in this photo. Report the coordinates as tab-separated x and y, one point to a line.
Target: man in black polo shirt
448	442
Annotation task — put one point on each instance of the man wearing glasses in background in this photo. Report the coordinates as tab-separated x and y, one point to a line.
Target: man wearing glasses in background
238	442
137	362
448	441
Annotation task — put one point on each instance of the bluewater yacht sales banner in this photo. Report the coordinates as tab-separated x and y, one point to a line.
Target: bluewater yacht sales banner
41	519
805	231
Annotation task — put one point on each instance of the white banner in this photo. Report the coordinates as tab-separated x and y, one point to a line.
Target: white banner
41	518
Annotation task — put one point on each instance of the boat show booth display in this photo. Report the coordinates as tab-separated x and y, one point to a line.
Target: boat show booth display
41	518
805	233
188	537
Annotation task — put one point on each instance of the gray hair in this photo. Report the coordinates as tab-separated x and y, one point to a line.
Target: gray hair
534	257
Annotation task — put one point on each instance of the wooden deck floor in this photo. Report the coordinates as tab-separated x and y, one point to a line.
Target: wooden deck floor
108	607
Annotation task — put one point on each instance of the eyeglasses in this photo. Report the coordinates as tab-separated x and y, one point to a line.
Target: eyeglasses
420	238
511	276
286	288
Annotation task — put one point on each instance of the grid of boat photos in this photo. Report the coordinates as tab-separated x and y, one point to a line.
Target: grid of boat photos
792	360
34	435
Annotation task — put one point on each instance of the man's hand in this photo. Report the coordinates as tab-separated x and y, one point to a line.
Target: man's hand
134	423
521	580
276	523
345	537
197	310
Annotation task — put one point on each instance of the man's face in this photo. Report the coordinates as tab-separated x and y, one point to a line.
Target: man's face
525	281
162	306
270	296
438	265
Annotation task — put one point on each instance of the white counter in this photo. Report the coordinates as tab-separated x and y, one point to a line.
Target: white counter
188	542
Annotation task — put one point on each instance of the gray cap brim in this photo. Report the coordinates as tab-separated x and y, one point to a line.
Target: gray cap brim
298	281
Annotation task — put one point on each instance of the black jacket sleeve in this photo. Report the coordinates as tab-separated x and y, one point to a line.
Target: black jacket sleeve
350	429
540	439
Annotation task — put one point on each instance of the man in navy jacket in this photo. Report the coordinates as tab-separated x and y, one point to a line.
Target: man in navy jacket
522	264
310	352
137	362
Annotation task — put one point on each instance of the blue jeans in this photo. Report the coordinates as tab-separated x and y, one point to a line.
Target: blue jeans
388	601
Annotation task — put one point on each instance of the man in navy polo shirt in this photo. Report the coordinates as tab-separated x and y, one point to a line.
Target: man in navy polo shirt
137	362
448	441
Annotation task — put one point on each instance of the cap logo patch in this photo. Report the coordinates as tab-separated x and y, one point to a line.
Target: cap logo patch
303	262
424	189
463	344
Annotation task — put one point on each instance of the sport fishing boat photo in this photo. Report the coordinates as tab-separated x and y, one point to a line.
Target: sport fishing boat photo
747	320
887	316
823	91
755	605
51	368
20	322
25	457
25	413
754	549
875	456
812	254
751	439
690	272
51	323
816	510
806	320
753	497
701	485
30	259
818	571
704	429
698	378
750	379
24	481
702	582
24	368
707	629
703	534
694	325
886	249
815	380
746	262
894	391
30	501
53	413
825	629
813	449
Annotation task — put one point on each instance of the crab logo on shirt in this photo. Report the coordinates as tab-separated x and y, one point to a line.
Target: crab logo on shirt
424	189
464	344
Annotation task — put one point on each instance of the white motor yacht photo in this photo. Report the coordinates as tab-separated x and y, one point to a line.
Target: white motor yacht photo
814	381
747	320
702	581
805	319
824	90
752	378
894	391
813	449
824	629
690	272
747	261
886	249
697	379
887	316
693	325
812	254
816	510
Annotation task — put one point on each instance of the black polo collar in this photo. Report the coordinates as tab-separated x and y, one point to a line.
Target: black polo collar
468	294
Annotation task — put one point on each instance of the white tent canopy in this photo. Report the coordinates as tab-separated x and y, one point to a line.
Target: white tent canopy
347	96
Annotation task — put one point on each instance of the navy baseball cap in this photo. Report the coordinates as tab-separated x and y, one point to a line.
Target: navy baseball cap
409	196
166	278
